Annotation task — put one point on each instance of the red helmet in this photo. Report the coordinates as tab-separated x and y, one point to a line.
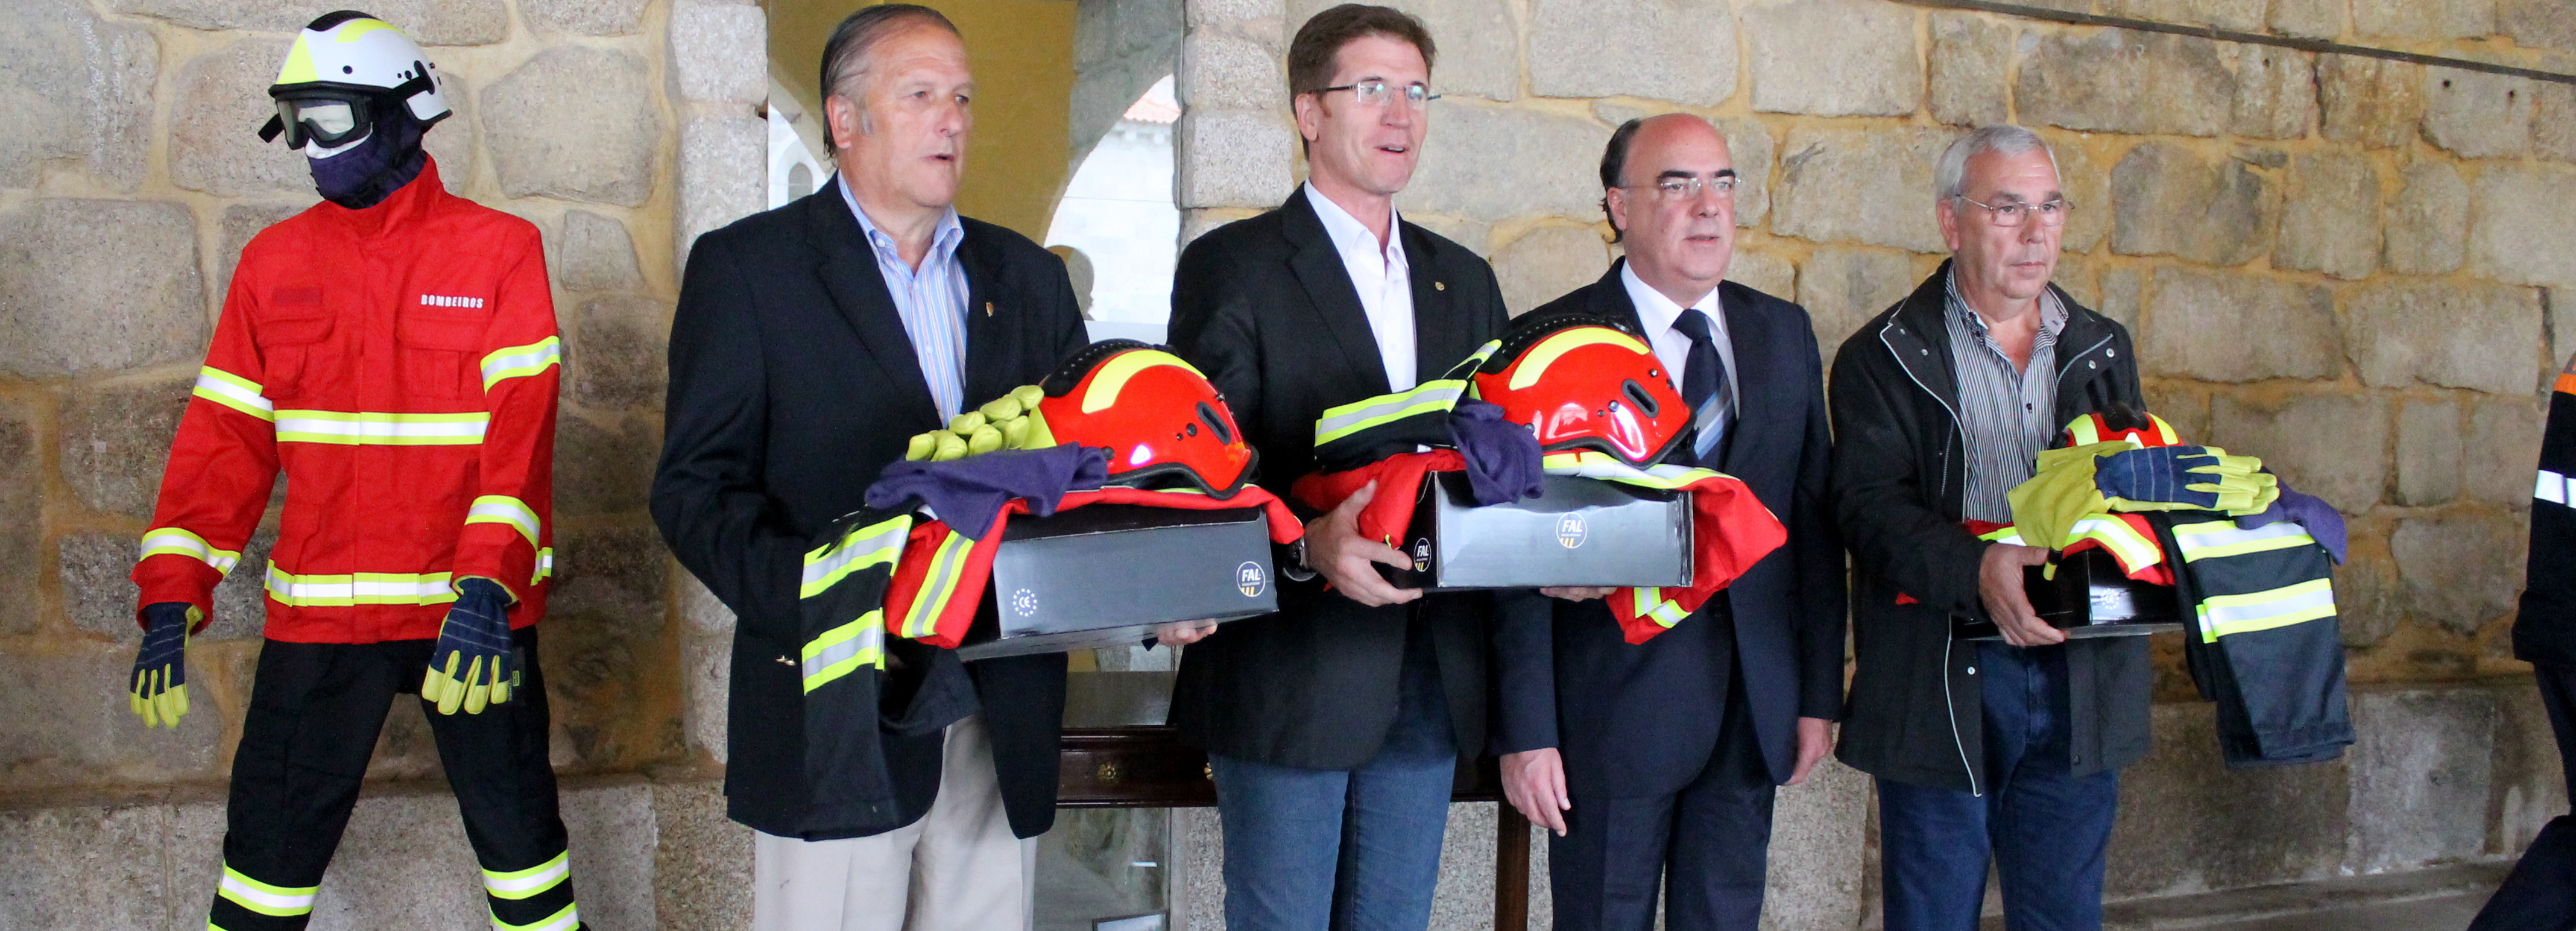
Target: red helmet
2121	422
1158	417
1583	382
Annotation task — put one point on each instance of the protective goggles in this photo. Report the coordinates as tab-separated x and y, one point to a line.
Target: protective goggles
332	121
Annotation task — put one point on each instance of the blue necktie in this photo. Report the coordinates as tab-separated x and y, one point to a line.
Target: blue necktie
1705	389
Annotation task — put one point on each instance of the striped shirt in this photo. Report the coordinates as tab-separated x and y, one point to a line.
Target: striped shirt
931	300
2004	415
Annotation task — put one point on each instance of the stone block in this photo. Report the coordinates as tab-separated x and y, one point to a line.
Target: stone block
116	438
593	253
2200	322
1682	51
603	469
1475	235
1817	838
719	52
613	833
1843	287
2330	215
577	123
2307	19
2457	335
1749	143
1198	877
1479	44
403	862
2496	458
2530	784
1864	185
2428	221
722	163
1228	72
2553	121
195	858
451	143
1490	163
2477	115
2188	823
22	504
2428	452
2375	102
605	649
585	17
2423	20
85	867
64	312
1545	263
2276	93
1762	271
2420	775
1238	158
2332	446
2120	289
2537	23
2186	409
428	22
2368	597
2462	570
1834	58
2168	200
1969	60
2523	235
702	863
2239	15
57	741
2126	82
79	90
240	223
222	100
618	357
1463	898
2087	187
706	669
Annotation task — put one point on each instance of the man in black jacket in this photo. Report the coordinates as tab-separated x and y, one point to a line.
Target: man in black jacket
1940	406
1334	726
1655	762
810	343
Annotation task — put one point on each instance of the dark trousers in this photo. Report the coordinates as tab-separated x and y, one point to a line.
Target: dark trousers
1707	846
2540	894
315	711
2045	828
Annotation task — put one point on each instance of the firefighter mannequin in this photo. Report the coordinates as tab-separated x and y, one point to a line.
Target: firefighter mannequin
393	351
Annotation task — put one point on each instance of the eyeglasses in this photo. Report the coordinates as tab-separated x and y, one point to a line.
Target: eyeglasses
1682	189
2052	213
1379	93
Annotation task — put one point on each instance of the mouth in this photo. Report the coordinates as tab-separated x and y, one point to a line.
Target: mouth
1395	149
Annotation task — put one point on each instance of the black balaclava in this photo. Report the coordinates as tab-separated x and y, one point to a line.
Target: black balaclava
364	174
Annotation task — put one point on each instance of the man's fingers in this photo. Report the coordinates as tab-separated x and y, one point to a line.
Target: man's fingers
1358	499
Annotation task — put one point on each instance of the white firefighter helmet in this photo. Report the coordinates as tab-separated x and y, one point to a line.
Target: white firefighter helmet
345	69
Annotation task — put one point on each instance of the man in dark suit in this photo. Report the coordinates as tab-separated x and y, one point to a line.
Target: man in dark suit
1333	727
811	342
1656	762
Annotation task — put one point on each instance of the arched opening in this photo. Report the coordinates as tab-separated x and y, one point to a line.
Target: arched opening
1117	215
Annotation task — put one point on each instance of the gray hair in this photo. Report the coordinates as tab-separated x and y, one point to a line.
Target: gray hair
845	54
1950	178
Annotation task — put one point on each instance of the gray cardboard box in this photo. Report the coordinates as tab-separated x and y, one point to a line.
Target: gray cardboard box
1104	575
1577	532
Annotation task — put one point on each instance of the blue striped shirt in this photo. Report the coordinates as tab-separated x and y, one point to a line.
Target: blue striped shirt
931	300
2005	413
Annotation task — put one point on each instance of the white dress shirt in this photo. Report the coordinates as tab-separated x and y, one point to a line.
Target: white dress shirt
1385	283
1657	313
931	300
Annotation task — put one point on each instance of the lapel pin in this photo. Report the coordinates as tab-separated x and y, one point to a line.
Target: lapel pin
988	308
1439	286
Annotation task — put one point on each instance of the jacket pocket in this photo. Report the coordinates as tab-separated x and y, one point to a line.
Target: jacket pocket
436	353
289	344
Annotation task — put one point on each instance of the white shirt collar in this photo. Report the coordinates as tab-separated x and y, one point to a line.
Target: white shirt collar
1657	312
1351	237
943	240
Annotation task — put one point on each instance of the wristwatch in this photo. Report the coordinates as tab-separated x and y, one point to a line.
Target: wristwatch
1295	568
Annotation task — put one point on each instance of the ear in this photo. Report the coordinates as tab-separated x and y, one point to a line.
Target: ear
841	118
1616	200
1948	211
1310	115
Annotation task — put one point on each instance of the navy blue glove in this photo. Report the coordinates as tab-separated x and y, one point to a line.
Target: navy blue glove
2164	478
471	666
159	687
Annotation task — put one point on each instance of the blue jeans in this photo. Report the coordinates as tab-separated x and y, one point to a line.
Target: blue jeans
1349	850
2045	828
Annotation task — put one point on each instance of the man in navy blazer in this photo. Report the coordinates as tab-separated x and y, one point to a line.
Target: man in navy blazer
1655	763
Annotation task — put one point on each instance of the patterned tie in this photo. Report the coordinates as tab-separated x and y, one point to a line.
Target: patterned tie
1705	389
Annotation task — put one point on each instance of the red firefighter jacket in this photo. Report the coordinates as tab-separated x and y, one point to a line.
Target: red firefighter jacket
399	363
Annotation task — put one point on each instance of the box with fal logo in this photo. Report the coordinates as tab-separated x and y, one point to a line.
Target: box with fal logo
1577	532
1104	575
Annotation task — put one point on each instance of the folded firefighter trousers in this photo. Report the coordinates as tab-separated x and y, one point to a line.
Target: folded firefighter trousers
315	711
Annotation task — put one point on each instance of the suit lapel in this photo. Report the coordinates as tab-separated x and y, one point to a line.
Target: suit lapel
1752	334
1439	335
849	272
1329	291
992	333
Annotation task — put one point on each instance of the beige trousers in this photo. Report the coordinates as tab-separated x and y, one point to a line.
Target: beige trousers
956	869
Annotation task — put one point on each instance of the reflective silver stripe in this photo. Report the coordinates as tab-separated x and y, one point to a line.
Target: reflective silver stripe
521	884
2224	538
856	550
2552	487
1438	395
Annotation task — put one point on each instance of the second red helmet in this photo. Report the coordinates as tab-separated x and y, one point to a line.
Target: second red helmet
1159	417
1583	382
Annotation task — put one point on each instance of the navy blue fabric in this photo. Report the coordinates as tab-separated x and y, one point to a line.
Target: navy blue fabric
969	492
165	642
363	175
1503	458
2045	829
1348	850
2320	519
2280	692
2156	473
2540	893
477	627
1703	385
1705	845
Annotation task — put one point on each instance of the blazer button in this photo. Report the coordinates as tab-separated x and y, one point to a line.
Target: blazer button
2113	353
2088	363
1972	670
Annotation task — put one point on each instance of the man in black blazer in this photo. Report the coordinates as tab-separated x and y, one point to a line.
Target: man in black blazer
810	343
1657	761
1343	715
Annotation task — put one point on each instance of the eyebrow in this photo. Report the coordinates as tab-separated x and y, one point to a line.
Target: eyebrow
1678	173
2052	195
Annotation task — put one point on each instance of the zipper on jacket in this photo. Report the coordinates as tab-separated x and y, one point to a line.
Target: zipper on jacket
1949	704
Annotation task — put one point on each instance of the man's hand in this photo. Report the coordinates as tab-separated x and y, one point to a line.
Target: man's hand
1182	633
1999	583
1534	782
1577	593
1815	739
1335	550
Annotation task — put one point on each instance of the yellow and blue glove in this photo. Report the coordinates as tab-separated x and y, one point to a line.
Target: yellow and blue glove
471	667
1008	422
2175	478
159	687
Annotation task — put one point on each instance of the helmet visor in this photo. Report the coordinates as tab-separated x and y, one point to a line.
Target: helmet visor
329	121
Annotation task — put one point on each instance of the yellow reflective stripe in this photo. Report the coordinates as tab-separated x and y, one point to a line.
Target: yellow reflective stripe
1536	359
937	587
280	901
521	361
1665	611
845	648
880	543
520	884
175	541
2132	550
2218	538
235	392
565	919
2084	431
2004	534
503	509
1594	464
375	429
1436	395
2222	615
545	564
358	588
1113	376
